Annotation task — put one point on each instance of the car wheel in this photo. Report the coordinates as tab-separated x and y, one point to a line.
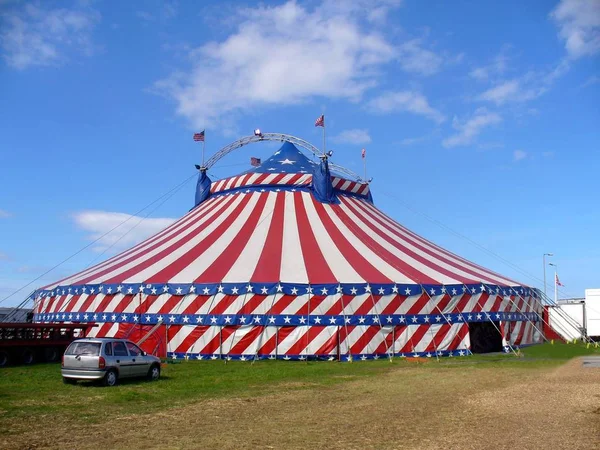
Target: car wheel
154	373
3	358
111	378
69	380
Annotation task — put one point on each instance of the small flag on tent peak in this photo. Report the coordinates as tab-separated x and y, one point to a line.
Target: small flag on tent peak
363	153
557	281
255	162
199	137
320	122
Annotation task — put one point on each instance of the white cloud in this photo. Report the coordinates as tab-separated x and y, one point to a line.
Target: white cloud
594	79
405	101
135	230
518	155
353	136
502	92
579	24
168	10
468	130
33	36
4	214
412	141
413	57
279	55
497	67
528	87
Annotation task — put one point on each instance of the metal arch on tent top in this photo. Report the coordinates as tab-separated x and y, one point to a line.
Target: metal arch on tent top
274	137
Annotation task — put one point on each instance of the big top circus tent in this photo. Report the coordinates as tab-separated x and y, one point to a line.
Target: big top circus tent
292	260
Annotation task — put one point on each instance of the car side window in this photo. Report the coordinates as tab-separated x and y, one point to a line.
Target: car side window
119	349
134	350
108	349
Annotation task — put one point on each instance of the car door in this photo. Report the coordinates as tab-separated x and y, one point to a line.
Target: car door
122	359
140	364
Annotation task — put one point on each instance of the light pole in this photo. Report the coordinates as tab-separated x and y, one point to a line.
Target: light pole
555	287
544	258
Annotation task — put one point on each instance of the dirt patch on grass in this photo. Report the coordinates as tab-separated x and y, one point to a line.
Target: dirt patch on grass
414	408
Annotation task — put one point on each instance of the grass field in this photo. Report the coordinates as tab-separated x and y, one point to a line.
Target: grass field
378	404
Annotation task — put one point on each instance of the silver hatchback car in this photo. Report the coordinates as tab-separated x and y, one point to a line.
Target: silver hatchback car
107	360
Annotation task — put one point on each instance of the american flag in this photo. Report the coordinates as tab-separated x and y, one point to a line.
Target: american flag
199	137
557	281
255	162
363	153
320	122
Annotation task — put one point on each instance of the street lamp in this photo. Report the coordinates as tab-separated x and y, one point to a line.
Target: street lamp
544	258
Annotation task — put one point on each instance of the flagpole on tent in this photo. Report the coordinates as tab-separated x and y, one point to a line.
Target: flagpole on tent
324	149
203	144
364	158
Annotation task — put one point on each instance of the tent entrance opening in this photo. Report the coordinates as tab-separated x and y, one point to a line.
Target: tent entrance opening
485	337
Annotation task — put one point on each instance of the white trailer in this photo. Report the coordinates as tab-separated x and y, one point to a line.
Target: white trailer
577	318
592	313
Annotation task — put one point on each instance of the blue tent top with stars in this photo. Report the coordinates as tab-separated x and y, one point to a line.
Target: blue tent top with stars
288	159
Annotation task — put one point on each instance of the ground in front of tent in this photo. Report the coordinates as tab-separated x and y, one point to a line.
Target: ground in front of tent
543	398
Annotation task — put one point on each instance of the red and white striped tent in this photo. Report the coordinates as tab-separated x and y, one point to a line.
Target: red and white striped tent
263	269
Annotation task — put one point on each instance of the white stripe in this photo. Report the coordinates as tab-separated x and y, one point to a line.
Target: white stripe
373	258
172	232
199	232
293	267
246	262
338	264
409	244
197	267
412	237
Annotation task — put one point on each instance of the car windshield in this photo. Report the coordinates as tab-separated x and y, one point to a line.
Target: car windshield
84	348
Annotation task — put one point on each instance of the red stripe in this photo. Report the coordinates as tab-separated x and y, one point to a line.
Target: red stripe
416	307
192	254
189	341
281	304
392	259
375	215
268	267
268	347
246	341
438	337
196	304
386	344
88	302
223	263
117	260
176	240
364	339
363	267
251	305
304	341
463	330
316	267
169	305
221	306
394	305
329	346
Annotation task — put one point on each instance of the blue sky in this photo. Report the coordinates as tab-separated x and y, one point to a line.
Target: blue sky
482	117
